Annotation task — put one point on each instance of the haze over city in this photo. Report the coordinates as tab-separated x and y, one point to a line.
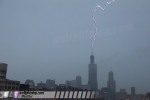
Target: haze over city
51	39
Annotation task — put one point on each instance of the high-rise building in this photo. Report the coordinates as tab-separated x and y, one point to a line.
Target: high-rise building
132	90
111	84
92	82
78	81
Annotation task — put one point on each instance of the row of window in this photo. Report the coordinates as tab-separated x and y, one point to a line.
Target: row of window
8	82
2	88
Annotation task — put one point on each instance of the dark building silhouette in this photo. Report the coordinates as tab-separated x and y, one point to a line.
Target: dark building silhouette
111	84
41	86
68	83
3	70
132	90
78	81
92	82
24	87
121	95
73	83
50	84
106	93
85	87
148	96
30	83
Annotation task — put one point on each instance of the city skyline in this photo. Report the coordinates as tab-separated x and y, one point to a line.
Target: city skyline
52	40
111	83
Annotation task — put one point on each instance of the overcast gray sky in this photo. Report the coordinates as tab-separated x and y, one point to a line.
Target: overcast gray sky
51	39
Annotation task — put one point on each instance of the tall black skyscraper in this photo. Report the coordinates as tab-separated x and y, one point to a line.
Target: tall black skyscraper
92	74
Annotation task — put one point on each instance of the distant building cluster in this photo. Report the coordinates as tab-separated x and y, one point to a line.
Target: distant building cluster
105	93
49	85
75	83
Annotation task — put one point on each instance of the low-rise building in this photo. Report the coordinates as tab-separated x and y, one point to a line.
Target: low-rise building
6	84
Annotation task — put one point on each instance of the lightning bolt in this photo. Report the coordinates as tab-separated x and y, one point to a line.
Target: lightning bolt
95	23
